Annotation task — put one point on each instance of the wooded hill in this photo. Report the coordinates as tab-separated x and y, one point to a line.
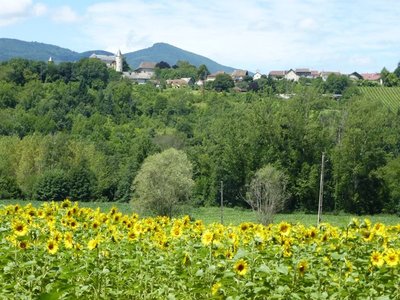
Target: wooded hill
12	48
80	130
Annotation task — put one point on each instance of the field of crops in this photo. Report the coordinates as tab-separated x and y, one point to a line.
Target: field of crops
390	96
63	251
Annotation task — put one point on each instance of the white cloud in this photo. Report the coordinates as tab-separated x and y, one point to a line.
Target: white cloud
64	14
258	34
12	12
16	8
251	34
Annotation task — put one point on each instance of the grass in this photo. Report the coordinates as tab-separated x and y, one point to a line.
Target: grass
235	216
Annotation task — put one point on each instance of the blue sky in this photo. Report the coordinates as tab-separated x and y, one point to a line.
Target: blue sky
326	35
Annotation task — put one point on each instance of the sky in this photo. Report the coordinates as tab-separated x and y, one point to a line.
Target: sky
256	35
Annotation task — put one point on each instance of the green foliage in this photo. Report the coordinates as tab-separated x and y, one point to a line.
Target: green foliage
9	188
267	193
83	117
81	183
336	84
223	82
52	185
389	96
163	181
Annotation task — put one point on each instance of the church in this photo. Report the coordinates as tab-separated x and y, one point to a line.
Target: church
112	61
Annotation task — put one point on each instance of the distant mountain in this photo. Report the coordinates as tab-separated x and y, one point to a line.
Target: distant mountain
171	54
11	48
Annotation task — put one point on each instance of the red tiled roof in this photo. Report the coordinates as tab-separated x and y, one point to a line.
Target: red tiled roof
371	76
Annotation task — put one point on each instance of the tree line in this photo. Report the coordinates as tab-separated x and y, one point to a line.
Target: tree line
79	130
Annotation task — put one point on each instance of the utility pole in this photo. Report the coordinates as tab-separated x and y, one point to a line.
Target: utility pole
222	202
321	189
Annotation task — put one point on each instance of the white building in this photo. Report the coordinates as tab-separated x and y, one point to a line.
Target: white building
112	61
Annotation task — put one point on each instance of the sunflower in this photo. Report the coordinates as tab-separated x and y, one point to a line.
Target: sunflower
52	246
215	288
244	226
68	240
377	259
176	231
40	213
284	228
95	225
66	203
367	235
92	244
73	224
391	258
20	228
132	235
302	267
228	254
241	267
23	245
207	238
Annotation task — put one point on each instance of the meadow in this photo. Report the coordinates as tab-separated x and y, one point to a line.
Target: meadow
234	216
61	250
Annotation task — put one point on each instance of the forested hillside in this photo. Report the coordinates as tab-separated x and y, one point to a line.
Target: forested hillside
80	130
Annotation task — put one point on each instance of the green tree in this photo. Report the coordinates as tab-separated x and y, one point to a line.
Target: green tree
82	183
390	174
163	181
267	193
397	71
202	72
91	72
365	141
223	82
337	84
52	185
389	79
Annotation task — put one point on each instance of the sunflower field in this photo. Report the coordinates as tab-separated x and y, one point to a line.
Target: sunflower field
63	251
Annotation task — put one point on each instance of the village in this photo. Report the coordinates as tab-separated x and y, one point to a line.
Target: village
145	72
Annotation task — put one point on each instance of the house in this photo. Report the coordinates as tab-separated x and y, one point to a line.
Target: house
292	75
212	77
140	78
314	74
178	83
277	74
376	77
257	75
111	61
303	72
143	74
355	76
239	75
146	67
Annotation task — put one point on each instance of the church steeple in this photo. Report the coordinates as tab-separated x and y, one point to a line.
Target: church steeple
118	61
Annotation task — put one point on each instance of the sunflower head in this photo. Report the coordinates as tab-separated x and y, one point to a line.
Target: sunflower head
391	258
241	267
92	244
377	259
215	289
207	238
20	228
52	246
302	267
284	228
23	245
